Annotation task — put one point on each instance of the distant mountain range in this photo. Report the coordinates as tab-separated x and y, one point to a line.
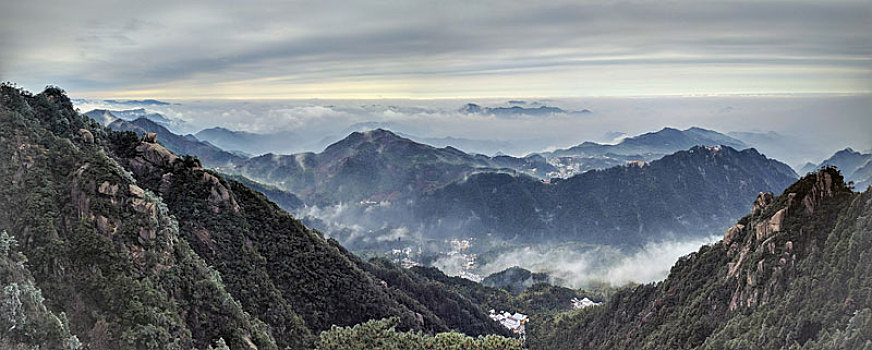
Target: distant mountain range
644	147
109	240
376	165
106	117
449	191
687	193
209	154
654	144
514	111
856	166
146	102
246	141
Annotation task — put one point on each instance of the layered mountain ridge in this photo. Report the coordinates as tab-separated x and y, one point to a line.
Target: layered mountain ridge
689	192
792	274
140	248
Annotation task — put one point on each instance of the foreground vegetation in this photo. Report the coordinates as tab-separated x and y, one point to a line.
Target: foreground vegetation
129	246
794	274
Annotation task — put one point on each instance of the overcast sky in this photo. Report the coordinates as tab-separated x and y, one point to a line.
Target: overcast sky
435	49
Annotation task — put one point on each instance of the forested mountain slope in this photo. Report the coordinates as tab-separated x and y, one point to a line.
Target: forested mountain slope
103	251
138	248
796	273
692	192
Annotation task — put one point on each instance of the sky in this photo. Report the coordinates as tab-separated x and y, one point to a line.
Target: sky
317	70
435	49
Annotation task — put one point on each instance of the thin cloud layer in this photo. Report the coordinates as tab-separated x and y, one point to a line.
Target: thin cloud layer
812	127
228	49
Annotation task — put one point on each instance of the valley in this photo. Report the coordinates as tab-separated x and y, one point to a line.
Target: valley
379	233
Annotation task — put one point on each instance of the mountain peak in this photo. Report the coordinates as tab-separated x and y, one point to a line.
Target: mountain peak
847	151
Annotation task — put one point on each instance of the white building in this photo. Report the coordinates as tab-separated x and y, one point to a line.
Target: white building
515	322
583	303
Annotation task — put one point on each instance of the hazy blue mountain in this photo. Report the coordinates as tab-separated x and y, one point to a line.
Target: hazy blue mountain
645	147
691	192
847	160
286	200
146	102
488	147
102	116
665	141
855	166
375	165
515	110
807	168
862	177
248	142
210	155
106	117
790	149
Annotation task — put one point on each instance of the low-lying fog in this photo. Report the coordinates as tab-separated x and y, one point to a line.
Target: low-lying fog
580	266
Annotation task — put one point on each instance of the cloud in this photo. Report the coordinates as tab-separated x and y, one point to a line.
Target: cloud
823	124
168	49
585	266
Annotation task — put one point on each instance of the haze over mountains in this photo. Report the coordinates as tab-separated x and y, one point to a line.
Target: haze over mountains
784	266
135	245
318	123
686	193
377	191
442	175
856	166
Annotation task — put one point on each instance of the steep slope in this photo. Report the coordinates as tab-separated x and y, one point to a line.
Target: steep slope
453	308
286	200
141	248
252	242
691	192
210	155
795	273
27	323
102	250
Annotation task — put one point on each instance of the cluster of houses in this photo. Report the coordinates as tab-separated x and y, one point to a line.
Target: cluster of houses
404	257
515	322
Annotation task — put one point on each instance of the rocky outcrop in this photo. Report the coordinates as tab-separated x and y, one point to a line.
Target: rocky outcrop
155	163
25	156
763	200
763	250
219	195
821	190
86	136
